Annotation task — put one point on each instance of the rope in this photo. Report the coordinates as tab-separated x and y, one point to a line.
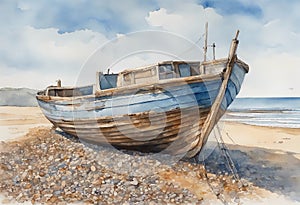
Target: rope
218	195
230	138
226	154
224	149
187	50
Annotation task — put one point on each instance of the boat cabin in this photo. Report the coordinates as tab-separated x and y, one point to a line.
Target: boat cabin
149	74
144	75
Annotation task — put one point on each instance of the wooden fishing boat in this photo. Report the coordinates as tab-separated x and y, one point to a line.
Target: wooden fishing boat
168	107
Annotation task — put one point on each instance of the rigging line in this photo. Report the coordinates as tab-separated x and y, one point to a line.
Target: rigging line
230	138
218	195
187	50
230	161
228	157
226	154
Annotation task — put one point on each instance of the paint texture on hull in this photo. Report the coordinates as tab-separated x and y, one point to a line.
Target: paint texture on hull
167	118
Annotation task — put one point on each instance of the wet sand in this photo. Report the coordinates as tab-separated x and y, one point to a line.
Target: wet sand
268	158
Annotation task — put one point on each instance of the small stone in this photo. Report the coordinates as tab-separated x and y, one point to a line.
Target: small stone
134	182
42	174
19	196
93	168
24	175
42	179
56	193
27	186
53	200
173	195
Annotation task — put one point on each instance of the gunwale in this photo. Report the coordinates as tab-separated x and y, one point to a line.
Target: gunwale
150	86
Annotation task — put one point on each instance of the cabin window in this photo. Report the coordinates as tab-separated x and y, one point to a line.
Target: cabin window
188	69
127	77
108	81
166	71
184	70
195	69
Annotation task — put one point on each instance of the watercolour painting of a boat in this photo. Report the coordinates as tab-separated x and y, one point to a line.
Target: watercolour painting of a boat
167	107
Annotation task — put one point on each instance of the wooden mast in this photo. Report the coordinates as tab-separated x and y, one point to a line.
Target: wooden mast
215	108
205	42
202	67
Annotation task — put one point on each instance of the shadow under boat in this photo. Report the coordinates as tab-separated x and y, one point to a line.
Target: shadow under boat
264	168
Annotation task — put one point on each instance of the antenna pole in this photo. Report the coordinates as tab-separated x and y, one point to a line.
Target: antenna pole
214	51
205	42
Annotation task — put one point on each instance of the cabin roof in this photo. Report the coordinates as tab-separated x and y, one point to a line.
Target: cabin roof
142	68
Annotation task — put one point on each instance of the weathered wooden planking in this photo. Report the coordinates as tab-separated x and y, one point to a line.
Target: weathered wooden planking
201	91
152	130
123	123
169	135
163	101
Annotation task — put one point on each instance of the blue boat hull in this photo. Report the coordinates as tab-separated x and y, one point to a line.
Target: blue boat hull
167	117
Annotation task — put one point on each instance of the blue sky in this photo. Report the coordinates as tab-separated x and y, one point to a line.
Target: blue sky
42	41
234	7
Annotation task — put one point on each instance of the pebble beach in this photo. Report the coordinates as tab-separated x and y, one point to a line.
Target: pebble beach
49	168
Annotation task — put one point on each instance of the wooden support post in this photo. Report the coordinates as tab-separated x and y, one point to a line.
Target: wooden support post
58	83
215	108
98	74
214	51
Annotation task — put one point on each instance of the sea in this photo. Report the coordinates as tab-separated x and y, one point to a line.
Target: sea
272	112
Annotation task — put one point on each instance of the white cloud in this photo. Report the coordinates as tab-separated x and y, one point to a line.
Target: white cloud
32	44
269	44
185	19
44	52
162	18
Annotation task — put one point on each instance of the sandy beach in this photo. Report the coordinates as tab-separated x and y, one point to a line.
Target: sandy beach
15	122
268	158
281	139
